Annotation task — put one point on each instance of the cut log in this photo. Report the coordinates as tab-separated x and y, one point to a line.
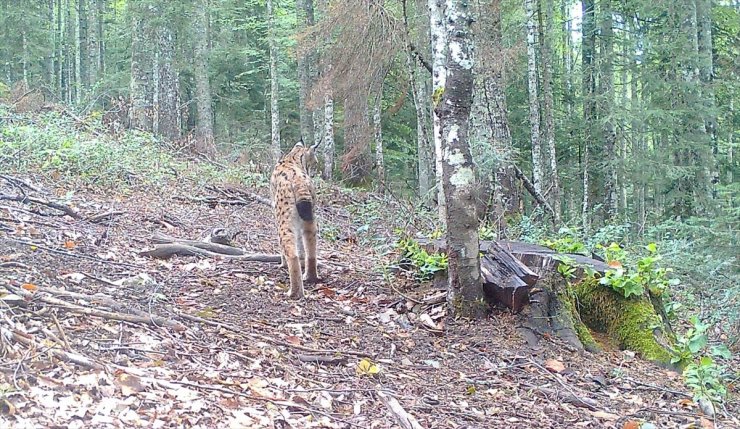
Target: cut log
506	279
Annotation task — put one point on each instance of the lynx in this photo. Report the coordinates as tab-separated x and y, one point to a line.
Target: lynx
293	199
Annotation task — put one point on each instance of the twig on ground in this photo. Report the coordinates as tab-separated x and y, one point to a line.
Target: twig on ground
74	255
58	206
165	251
99	217
406	420
59	354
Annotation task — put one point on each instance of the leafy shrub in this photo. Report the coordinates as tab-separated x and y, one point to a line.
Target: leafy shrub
425	264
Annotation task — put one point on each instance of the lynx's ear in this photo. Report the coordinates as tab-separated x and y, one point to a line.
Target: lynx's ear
316	145
300	143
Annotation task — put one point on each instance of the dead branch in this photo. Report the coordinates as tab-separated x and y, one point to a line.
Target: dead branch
165	251
536	195
73	255
27	340
326	360
210	246
240	194
149	319
102	216
58	206
404	419
19	182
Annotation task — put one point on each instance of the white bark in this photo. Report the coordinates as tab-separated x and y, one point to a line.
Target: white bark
328	142
274	90
439	77
378	134
534	107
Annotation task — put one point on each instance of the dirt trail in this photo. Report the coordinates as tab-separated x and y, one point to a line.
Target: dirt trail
228	350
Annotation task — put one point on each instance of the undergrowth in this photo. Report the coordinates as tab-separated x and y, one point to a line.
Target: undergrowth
55	145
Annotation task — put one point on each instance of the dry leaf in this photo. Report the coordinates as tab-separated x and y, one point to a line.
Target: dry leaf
69	244
366	367
631	424
292	339
603	415
129	384
706	423
554	365
30	287
615	264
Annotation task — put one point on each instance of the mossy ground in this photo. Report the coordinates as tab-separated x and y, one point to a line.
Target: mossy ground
632	322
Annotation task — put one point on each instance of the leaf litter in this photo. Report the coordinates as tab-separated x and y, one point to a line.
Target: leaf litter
214	343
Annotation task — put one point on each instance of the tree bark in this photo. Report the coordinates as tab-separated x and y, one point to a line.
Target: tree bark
465	288
534	102
168	85
101	37
606	97
378	135
305	16
439	77
141	65
425	166
589	82
204	125
546	32
274	89
83	49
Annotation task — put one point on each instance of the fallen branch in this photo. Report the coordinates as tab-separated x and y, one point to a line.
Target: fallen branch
110	315
74	255
233	192
404	419
101	216
58	206
66	356
19	182
327	360
165	251
535	194
210	246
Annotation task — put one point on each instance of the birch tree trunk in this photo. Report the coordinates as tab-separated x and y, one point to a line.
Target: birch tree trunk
439	77
329	149
465	289
378	136
204	126
547	84
606	97
425	169
534	102
274	90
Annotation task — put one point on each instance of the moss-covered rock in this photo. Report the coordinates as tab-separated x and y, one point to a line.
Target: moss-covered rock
632	322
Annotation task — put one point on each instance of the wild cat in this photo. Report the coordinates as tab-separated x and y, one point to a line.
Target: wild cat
294	202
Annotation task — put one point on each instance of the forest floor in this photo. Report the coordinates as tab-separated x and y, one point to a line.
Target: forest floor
92	334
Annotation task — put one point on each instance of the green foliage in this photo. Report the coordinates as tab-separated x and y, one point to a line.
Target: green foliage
425	265
486	232
567	241
702	371
645	275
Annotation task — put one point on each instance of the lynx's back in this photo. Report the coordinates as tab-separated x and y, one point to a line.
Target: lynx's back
294	199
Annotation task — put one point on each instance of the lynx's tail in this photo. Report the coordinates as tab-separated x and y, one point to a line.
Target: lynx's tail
305	209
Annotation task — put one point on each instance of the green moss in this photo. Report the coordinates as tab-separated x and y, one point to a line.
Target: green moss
567	297
630	321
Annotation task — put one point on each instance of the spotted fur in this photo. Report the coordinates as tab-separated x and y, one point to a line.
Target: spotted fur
294	199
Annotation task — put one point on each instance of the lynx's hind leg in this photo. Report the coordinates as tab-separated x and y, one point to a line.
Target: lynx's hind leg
309	243
289	253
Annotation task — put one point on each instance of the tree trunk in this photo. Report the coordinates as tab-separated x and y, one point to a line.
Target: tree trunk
83	53
534	102
168	85
706	74
141	65
69	48
606	97
589	81
329	149
204	125
305	16
546	33
465	289
100	48
378	136
274	90
439	77
425	166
